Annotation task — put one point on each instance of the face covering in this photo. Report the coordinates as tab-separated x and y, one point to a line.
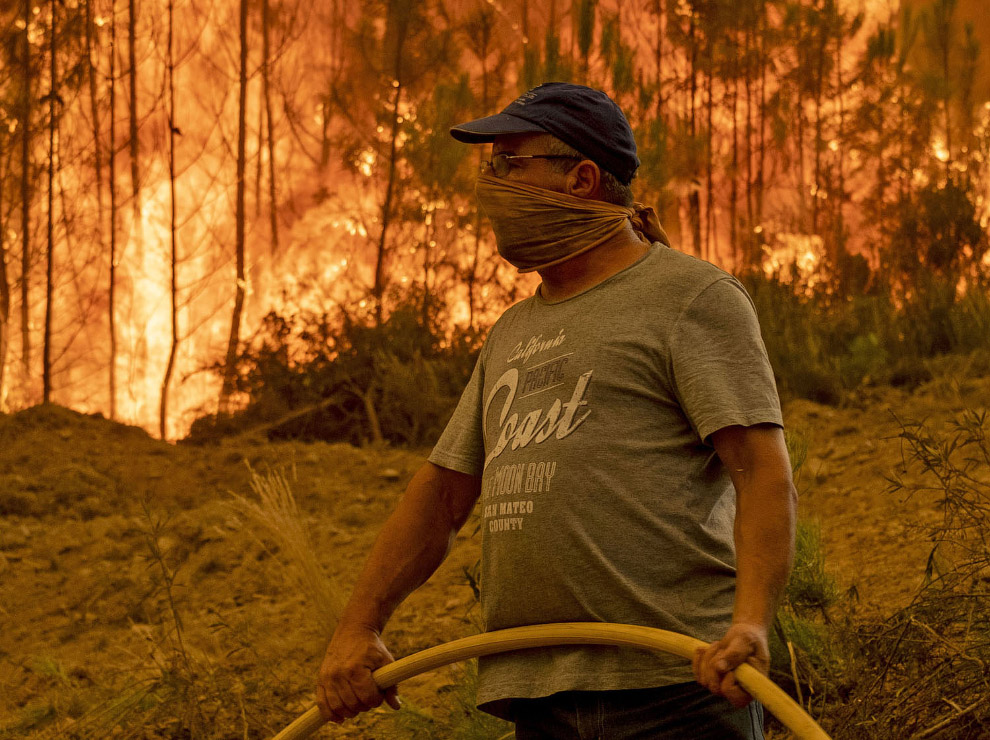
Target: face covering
536	228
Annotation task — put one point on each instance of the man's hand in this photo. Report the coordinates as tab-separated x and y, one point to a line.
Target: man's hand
344	687
743	643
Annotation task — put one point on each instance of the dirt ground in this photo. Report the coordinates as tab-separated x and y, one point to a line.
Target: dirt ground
120	554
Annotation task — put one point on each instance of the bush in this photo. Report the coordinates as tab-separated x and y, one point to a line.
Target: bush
461	720
822	346
921	672
339	377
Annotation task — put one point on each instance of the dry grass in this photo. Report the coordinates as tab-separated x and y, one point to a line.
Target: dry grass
922	672
276	516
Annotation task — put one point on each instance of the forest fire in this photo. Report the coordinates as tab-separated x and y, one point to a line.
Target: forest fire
245	280
309	145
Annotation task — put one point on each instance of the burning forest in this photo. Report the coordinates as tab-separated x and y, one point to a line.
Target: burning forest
171	174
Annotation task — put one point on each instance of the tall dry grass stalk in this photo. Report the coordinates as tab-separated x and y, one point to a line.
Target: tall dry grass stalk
276	514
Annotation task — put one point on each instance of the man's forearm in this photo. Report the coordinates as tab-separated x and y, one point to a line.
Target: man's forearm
764	537
412	544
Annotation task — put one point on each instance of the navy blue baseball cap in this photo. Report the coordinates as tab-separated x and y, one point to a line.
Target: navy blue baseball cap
586	119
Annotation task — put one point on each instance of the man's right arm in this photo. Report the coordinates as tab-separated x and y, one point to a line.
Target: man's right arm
413	542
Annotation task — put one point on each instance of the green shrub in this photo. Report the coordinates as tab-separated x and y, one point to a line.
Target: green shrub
460	718
342	377
809	586
822	345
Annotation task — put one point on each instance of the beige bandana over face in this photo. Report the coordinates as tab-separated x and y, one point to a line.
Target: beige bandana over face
536	228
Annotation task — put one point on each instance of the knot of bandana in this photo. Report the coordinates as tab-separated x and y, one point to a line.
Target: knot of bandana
536	228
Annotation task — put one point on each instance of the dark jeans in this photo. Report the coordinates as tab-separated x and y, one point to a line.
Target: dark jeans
685	711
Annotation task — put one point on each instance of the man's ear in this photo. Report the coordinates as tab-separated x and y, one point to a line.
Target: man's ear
584	180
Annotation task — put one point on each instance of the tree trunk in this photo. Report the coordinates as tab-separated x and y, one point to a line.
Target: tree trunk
472	279
380	280
4	293
838	239
230	364
26	202
658	9
710	235
819	92
135	149
46	372
95	113
259	160
266	84
762	61
333	77
112	182
734	179
694	197
379	288
374	425
941	21
748	149
531	55
173	251
802	178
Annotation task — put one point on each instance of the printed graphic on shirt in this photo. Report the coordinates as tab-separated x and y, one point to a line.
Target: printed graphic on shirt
539	367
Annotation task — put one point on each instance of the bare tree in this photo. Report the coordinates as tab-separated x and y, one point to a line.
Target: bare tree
230	363
26	110
112	182
95	114
4	284
50	261
399	12
135	148
266	92
173	251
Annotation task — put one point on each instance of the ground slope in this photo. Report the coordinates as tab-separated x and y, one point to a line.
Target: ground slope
124	569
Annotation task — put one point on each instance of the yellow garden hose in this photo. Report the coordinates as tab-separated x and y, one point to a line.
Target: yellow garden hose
759	686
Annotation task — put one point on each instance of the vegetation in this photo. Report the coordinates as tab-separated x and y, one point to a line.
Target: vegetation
920	671
343	377
855	143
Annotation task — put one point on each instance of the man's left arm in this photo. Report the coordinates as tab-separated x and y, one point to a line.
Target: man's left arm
766	502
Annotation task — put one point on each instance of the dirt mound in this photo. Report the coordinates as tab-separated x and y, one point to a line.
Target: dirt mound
114	544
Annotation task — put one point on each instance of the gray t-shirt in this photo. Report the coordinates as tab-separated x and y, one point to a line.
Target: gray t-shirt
602	498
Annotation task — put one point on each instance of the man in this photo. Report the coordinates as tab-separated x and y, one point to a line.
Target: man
623	433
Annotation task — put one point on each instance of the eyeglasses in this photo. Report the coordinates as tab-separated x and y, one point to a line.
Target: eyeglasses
501	164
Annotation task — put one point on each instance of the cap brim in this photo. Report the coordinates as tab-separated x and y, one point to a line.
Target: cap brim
484	130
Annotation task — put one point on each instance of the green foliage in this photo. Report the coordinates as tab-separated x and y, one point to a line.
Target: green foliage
461	719
938	233
920	672
822	346
792	332
803	655
810	586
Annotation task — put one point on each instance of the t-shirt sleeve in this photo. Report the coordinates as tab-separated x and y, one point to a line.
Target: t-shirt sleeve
719	364
461	447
